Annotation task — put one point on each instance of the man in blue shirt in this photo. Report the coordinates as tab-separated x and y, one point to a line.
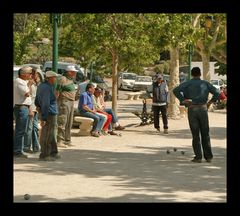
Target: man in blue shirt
46	104
194	95
86	109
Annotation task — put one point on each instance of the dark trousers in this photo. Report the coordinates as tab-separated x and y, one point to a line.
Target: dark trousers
198	122
48	138
156	112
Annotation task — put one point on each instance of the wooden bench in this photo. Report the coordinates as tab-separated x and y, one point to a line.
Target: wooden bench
133	95
85	125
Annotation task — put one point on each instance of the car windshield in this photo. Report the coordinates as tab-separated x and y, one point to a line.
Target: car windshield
129	76
214	82
144	79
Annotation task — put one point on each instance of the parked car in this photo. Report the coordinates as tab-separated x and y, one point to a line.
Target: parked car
142	83
217	83
38	66
126	80
62	69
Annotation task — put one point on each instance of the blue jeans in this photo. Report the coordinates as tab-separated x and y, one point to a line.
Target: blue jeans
98	120
198	122
114	117
31	136
21	118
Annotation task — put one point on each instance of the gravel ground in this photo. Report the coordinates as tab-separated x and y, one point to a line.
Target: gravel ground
134	167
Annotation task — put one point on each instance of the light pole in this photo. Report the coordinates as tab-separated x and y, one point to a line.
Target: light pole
56	20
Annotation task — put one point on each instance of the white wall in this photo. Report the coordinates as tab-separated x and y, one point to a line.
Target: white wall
212	74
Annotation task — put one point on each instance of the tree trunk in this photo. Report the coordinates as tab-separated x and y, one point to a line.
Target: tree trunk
173	108
206	66
114	81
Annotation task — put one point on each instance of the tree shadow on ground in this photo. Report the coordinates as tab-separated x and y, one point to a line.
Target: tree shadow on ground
137	173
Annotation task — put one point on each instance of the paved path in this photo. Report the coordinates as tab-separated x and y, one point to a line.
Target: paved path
131	168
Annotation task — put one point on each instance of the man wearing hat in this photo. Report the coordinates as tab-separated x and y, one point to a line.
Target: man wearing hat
66	96
22	102
46	104
160	96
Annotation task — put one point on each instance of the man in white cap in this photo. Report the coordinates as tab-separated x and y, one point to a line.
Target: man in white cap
66	92
46	104
22	102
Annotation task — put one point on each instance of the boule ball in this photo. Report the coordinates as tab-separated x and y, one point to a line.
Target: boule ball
27	196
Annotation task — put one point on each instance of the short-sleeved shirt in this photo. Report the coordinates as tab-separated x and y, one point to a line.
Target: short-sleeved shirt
66	88
20	89
85	99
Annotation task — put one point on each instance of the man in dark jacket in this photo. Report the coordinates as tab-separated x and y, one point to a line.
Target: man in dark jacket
47	106
194	95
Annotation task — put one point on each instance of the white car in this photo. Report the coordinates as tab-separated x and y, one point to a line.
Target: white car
126	80
217	83
142	83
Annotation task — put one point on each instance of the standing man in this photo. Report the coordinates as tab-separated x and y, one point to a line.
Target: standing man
194	95
46	104
66	96
160	96
32	136
22	110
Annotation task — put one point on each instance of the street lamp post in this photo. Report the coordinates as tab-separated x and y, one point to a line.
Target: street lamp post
56	20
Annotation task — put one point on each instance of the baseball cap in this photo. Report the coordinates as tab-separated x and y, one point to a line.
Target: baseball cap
159	76
51	74
71	68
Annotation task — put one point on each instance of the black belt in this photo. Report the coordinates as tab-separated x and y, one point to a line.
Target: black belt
20	105
198	105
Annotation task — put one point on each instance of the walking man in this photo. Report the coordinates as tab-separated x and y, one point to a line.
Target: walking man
194	95
47	106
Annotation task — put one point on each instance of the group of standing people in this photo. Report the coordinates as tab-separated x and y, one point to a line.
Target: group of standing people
35	99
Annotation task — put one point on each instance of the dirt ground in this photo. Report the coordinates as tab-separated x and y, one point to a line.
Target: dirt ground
133	167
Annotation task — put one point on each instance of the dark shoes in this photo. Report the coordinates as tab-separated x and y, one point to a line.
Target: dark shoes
119	127
56	156
209	160
194	160
28	151
95	134
112	133
20	155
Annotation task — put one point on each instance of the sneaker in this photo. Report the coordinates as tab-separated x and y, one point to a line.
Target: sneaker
28	151
104	132
95	134
119	127
165	131
158	130
20	155
112	133
194	160
209	160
